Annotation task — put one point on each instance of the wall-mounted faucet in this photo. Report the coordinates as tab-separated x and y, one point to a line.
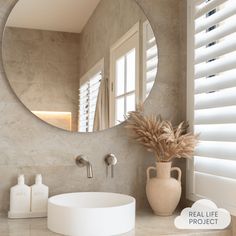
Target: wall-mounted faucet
81	162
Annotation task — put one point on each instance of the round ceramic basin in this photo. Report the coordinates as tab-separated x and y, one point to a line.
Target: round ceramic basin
91	214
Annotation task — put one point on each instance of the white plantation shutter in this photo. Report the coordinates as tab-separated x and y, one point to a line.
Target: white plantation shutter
83	107
150	57
212	100
88	94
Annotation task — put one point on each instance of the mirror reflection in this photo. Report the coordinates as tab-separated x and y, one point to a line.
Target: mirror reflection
80	65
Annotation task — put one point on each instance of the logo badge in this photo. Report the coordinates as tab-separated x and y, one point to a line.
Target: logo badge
204	214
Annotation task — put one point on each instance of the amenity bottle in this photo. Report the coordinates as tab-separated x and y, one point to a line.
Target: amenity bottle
39	195
20	197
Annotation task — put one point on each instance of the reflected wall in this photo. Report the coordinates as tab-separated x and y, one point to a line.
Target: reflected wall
43	71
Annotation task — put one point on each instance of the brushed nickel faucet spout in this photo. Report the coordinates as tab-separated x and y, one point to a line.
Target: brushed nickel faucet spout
81	162
89	170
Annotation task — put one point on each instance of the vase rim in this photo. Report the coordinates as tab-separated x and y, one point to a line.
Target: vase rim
164	163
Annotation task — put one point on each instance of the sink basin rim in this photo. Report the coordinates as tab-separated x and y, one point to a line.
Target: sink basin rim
54	200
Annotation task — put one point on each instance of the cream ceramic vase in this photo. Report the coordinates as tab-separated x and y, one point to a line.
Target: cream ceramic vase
163	191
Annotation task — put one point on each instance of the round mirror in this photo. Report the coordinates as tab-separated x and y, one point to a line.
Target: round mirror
80	65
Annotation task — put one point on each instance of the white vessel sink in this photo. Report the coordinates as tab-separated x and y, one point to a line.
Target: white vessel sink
91	214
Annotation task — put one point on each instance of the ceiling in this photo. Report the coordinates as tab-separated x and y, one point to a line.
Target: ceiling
55	15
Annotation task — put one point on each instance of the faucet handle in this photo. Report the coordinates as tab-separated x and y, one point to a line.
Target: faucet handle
80	161
111	160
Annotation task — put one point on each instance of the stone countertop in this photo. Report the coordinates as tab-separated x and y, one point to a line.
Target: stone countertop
147	224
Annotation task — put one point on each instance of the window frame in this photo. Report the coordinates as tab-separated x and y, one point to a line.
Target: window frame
190	96
119	43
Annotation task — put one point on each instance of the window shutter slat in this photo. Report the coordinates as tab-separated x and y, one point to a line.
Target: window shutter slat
150	58
207	6
225	97
217	167
219	132
215	115
204	24
216	150
222	98
216	50
216	34
152	43
223	81
220	65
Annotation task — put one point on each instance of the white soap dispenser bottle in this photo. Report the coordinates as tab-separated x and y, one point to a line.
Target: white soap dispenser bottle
20	197
39	196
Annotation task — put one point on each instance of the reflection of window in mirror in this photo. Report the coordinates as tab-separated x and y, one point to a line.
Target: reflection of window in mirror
88	94
124	79
150	59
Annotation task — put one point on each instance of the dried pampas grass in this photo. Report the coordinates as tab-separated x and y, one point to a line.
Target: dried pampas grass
160	137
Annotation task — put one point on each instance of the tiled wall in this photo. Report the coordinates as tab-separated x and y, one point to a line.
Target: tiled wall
29	146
